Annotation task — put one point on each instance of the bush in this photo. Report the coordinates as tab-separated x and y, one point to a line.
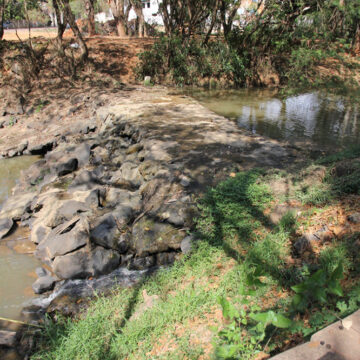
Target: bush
187	62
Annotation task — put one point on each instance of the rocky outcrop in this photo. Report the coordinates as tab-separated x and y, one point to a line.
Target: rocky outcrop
122	195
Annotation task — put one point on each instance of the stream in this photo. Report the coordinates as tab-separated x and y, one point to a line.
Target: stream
17	265
320	120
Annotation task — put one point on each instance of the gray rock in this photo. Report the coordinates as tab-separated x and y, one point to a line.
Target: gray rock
64	239
7	338
73	265
64	211
128	176
166	258
185	181
304	243
85	180
23	145
5	227
354	218
134	149
41	272
43	284
84	263
39	232
16	206
104	261
142	263
116	197
149	237
41	149
105	232
186	244
66	167
82	153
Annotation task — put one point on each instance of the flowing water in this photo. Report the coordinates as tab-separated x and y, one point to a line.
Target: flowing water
16	264
320	120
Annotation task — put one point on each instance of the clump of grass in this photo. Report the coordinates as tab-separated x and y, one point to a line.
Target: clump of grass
316	195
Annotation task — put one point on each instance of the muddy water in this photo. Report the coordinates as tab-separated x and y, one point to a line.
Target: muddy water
16	263
325	121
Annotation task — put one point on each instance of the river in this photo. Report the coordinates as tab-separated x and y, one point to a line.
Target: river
17	265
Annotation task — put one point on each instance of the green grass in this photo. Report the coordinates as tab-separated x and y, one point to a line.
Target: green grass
238	251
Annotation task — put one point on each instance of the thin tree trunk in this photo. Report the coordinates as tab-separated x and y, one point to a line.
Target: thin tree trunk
120	15
120	27
2	9
89	5
71	20
137	4
213	21
60	24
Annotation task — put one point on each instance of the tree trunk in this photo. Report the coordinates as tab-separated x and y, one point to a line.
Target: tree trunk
2	9
120	14
356	41
137	4
70	18
120	27
89	5
59	20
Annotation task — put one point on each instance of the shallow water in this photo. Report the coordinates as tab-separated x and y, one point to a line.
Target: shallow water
16	264
328	122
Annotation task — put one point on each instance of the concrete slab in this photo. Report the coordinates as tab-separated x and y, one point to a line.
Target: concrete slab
339	341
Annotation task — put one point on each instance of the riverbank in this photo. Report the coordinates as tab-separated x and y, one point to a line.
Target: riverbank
262	237
119	186
118	189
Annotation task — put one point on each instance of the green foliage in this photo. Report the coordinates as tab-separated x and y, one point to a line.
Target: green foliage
317	287
316	194
188	62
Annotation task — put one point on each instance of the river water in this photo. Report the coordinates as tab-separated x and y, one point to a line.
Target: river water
17	265
320	120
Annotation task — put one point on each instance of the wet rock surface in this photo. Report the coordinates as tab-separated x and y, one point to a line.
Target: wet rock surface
122	193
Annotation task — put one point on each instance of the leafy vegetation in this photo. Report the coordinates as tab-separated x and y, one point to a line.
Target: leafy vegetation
287	40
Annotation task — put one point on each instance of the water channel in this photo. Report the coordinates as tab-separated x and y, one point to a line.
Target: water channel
316	119
17	265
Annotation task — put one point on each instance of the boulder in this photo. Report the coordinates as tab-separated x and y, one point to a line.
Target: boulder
64	239
166	258
16	206
62	211
41	149
128	176
186	244
39	232
85	180
115	197
149	237
43	284
7	338
5	227
354	218
66	167
142	263
73	265
84	263
107	234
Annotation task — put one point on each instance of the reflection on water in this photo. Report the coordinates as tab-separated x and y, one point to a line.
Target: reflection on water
15	267
324	120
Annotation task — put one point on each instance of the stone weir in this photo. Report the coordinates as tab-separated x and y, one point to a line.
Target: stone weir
122	196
